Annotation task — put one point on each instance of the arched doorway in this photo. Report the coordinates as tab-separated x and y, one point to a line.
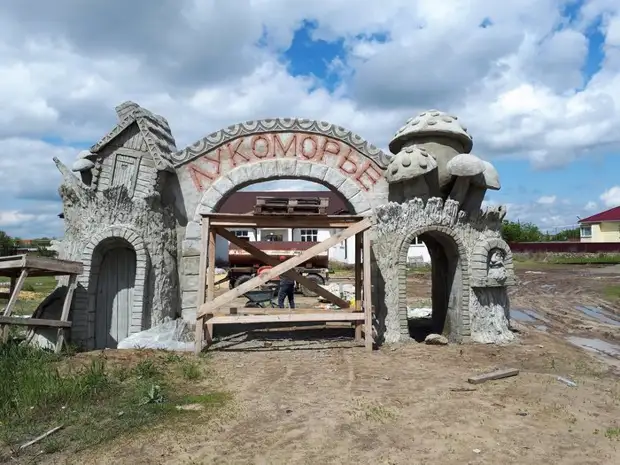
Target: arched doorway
115	292
449	293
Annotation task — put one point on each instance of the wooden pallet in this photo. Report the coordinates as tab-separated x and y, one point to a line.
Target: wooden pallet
291	206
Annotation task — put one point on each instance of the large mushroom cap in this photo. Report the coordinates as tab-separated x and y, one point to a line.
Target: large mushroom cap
431	123
82	164
490	176
465	164
410	163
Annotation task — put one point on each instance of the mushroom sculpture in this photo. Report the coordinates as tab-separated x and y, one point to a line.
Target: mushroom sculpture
413	173
472	177
84	165
441	135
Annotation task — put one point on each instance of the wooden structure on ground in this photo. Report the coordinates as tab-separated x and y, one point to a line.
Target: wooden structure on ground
211	310
20	267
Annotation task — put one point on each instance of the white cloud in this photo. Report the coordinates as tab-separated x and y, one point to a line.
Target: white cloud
611	197
591	206
516	84
547	200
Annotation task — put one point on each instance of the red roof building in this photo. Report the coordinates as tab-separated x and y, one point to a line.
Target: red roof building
602	227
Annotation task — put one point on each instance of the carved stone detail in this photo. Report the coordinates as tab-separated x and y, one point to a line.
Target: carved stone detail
492	264
223	136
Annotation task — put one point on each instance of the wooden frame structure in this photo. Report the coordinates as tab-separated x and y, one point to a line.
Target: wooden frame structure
20	267
210	308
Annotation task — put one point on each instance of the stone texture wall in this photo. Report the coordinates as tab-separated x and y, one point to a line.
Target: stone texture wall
468	317
92	217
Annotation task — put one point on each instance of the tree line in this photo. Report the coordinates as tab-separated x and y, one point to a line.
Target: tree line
12	245
515	231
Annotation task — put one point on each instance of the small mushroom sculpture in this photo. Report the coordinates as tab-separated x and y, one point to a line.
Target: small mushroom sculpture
83	162
472	177
414	171
440	134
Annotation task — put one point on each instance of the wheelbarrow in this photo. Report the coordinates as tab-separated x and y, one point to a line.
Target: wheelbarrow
262	298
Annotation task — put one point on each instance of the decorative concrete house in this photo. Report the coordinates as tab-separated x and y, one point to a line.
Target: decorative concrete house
119	225
134	204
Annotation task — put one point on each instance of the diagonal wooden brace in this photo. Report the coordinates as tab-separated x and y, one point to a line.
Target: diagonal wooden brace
283	267
272	261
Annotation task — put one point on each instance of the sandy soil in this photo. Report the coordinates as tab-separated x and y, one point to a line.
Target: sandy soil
306	401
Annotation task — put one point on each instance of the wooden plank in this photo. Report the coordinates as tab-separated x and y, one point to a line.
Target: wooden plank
64	316
285	266
367	293
498	374
40	264
54	264
271	311
17	321
273	261
202	284
288	318
231	220
16	289
358	282
210	276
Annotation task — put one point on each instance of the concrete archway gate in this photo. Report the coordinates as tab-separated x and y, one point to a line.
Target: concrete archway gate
134	179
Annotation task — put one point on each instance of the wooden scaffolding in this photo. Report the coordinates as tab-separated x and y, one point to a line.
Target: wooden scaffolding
20	267
211	309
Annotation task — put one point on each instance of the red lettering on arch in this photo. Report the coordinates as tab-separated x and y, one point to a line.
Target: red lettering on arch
254	144
347	164
198	176
277	142
328	146
233	151
314	145
369	171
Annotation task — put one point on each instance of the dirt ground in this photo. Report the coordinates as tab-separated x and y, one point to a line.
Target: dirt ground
301	400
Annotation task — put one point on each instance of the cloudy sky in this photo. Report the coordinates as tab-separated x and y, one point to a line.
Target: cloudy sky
537	82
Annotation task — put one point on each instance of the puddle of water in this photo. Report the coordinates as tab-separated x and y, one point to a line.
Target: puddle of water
520	315
596	345
598	314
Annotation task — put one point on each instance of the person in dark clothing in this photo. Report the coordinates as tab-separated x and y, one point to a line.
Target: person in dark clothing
286	290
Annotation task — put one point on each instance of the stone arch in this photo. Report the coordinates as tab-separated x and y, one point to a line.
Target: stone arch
480	260
93	253
223	136
458	316
245	175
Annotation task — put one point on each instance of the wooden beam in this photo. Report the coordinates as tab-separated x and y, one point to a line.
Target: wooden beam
41	264
270	311
17	321
64	316
288	318
16	289
285	266
231	220
498	374
202	284
358	282
273	261
367	293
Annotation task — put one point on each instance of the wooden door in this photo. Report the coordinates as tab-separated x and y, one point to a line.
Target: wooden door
115	289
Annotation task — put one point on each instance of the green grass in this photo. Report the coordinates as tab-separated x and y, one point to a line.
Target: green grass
613	433
96	402
612	292
526	260
42	286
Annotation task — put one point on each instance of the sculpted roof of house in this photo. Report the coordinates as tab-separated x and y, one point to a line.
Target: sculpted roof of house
154	129
613	214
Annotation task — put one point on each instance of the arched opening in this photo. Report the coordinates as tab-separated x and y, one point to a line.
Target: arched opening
316	198
434	284
113	281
